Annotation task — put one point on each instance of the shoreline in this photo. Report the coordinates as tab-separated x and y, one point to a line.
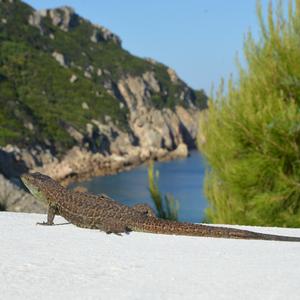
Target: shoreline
125	168
98	165
111	166
77	165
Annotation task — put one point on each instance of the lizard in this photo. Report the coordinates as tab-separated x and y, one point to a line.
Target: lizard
105	214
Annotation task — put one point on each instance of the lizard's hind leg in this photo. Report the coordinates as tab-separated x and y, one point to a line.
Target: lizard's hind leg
145	209
113	227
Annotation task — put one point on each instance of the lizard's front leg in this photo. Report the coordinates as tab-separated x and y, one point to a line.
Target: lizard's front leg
50	216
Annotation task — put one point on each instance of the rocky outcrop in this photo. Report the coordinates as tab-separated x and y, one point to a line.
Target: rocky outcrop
104	148
36	19
65	18
15	161
173	76
152	127
79	163
158	129
189	125
59	58
136	91
101	33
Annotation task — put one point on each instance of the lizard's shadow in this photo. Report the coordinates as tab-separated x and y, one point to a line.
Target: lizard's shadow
55	224
59	224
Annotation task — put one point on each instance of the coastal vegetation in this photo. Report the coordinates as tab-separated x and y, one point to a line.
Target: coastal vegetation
252	131
167	207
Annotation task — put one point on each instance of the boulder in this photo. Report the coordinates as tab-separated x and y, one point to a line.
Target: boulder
63	17
73	78
59	58
173	76
101	33
181	151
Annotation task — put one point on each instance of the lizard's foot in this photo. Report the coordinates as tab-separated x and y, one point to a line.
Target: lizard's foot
44	223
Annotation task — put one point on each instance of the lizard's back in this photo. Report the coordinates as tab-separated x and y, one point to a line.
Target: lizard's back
92	211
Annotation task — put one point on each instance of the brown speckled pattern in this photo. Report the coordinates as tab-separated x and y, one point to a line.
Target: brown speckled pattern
101	212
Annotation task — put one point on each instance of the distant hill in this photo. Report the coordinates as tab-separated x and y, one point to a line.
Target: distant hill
59	70
74	102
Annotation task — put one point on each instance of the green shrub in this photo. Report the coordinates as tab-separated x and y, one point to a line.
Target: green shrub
252	132
167	207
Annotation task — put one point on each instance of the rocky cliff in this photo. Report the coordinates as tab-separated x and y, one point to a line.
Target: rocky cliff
74	102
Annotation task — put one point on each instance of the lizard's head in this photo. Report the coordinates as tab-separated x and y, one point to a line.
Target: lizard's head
38	184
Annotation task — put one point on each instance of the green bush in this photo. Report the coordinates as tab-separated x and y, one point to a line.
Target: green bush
167	207
252	132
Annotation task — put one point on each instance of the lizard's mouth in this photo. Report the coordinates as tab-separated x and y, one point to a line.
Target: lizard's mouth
33	189
25	181
30	187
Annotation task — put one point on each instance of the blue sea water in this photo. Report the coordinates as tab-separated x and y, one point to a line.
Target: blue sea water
182	178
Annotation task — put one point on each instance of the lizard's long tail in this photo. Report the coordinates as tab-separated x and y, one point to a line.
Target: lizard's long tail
154	225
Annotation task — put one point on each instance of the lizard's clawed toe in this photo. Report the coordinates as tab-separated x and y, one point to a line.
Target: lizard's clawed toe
116	233
44	223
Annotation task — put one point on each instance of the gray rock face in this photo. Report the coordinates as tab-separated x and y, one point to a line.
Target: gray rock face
15	161
36	18
189	125
59	58
95	36
157	128
173	76
62	17
73	78
65	18
107	139
136	91
109	36
101	34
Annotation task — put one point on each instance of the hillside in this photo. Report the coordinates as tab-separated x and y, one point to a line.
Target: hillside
58	72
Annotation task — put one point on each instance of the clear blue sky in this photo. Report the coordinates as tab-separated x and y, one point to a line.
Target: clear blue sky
197	38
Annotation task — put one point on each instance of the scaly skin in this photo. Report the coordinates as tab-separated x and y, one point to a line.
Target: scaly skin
101	212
